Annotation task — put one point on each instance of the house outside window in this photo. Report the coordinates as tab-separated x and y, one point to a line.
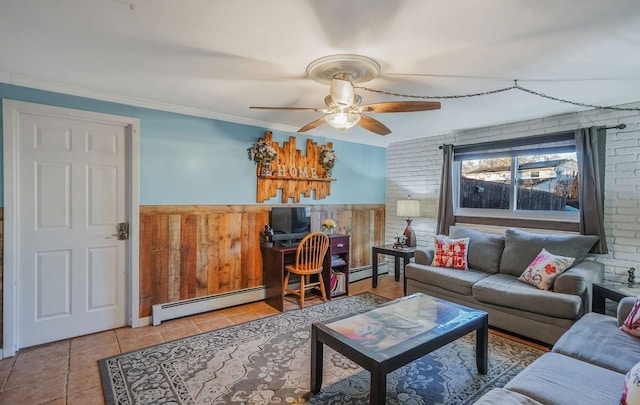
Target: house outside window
514	178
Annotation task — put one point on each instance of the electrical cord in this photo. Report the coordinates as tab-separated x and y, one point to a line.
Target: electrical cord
515	86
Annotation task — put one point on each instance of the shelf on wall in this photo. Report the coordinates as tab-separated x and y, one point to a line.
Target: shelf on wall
295	178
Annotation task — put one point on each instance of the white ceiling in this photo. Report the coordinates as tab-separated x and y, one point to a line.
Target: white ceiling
216	58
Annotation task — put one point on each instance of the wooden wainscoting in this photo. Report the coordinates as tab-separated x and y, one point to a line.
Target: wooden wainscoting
364	222
1	273
190	251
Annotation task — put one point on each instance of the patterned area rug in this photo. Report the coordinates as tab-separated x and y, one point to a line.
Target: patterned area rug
267	361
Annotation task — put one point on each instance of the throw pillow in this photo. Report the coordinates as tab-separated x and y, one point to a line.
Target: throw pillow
451	253
544	269
631	387
631	325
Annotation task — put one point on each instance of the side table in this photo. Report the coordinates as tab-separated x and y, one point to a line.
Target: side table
403	253
613	291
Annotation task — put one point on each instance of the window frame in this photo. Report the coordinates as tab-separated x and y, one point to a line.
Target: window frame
515	147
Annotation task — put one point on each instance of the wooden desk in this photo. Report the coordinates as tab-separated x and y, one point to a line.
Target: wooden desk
275	258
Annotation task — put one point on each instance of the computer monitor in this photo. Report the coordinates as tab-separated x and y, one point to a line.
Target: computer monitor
290	223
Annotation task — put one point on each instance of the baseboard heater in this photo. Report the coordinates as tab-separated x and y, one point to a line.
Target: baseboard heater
192	306
360	273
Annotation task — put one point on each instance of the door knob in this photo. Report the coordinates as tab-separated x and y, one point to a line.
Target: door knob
122	231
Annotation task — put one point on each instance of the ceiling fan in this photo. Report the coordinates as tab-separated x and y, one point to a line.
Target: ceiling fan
343	107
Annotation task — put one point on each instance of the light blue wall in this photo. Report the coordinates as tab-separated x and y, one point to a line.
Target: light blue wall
190	160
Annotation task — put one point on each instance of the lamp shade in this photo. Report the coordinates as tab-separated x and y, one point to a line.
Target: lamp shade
408	208
342	120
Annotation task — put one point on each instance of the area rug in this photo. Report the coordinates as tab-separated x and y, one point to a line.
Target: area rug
267	361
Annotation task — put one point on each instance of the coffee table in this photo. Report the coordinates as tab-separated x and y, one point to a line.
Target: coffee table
386	337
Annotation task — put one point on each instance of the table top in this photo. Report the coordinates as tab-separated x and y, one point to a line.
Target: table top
400	325
392	250
622	288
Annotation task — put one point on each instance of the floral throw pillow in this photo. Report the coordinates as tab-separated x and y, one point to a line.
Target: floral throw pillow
631	325
631	388
544	269
451	253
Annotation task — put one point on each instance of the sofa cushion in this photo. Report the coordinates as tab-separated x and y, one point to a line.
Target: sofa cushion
457	281
507	291
557	379
503	396
520	248
485	249
451	253
596	339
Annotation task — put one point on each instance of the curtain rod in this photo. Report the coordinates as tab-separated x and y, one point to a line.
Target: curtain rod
619	126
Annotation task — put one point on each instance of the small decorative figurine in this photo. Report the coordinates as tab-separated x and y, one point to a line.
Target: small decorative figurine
632	276
401	242
265	235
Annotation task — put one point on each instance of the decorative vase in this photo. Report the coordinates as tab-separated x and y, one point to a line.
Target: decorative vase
265	169
327	173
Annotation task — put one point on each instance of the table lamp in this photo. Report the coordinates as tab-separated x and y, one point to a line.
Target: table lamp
409	208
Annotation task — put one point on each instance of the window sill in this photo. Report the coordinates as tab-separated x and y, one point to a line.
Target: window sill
566	226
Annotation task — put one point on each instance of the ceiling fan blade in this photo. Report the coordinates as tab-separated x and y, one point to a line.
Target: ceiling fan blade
312	125
373	125
400	106
321	110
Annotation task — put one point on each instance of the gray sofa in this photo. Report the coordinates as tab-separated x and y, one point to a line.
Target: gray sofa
491	284
586	366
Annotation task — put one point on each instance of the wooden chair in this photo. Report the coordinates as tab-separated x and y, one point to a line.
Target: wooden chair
309	261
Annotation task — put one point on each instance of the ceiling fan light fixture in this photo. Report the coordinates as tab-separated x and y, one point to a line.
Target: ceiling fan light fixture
342	92
342	120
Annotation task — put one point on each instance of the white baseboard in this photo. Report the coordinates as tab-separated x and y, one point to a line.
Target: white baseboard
146	321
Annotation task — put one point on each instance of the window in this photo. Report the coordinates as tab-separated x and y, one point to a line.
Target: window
535	178
485	183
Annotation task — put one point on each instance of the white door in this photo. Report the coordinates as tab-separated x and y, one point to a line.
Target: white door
71	195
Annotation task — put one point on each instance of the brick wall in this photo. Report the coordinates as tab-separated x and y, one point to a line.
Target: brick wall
414	167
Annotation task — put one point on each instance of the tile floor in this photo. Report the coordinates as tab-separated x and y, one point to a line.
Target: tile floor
66	372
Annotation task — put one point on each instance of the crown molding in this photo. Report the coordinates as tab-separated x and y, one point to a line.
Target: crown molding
25	81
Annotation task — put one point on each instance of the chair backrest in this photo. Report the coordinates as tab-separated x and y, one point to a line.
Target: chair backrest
311	252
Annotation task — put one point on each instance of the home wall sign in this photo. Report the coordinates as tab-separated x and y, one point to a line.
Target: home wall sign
294	173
